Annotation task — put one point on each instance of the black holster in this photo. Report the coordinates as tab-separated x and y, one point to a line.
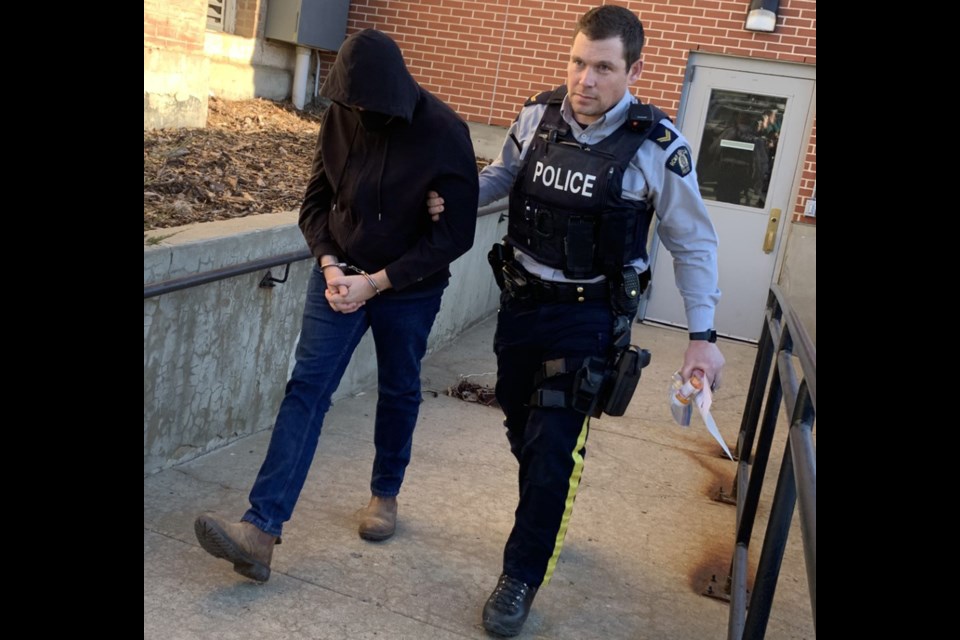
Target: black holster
497	257
623	380
604	385
626	360
588	387
625	293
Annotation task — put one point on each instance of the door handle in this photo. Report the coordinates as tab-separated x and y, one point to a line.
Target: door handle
770	239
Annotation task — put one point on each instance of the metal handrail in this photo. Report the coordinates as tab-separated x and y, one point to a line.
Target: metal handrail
185	282
783	339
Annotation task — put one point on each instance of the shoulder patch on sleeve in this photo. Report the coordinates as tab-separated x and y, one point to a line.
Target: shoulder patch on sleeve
663	136
680	162
538	98
551	96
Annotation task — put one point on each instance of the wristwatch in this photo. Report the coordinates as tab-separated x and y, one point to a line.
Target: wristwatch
710	335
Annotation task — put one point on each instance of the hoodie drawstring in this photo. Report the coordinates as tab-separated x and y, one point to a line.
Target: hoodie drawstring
383	166
346	165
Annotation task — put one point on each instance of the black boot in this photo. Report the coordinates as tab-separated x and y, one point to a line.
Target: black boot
508	606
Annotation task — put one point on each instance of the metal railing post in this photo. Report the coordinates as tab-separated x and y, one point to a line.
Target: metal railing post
775	382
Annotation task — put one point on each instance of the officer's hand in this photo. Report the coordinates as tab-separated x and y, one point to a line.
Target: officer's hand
705	356
434	205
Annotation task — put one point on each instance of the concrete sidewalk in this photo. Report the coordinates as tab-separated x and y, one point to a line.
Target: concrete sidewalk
644	538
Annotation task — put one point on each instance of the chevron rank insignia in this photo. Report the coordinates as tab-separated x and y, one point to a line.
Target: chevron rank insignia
662	136
538	98
679	162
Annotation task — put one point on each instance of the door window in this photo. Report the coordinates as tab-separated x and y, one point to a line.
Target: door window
738	147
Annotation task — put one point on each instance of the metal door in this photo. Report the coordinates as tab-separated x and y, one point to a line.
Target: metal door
748	132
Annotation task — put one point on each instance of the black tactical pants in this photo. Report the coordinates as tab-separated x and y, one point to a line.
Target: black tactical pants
549	443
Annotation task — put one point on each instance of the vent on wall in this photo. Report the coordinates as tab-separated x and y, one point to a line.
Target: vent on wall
220	15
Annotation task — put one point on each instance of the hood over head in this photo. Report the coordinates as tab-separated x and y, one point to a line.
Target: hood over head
369	72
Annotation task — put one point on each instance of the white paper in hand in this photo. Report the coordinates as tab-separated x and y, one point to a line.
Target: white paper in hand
703	402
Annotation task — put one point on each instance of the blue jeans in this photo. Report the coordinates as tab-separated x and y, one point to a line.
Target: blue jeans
401	323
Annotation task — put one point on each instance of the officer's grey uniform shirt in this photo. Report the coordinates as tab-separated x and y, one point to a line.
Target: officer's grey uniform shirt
685	227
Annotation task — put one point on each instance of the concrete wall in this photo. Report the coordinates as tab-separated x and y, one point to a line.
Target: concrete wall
175	70
183	62
216	357
798	277
244	68
174	89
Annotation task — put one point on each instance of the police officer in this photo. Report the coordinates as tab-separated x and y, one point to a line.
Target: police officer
585	166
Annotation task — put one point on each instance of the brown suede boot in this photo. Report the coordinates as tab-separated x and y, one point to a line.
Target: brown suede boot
247	547
379	520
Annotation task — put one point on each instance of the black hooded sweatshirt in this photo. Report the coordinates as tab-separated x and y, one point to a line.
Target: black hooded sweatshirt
366	200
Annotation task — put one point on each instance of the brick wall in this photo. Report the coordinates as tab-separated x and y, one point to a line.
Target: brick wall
485	58
174	25
248	18
808	178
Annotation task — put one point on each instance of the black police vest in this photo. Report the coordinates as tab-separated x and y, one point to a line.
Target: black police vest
566	205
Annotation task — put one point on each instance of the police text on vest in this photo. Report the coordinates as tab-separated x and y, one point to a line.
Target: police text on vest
564	180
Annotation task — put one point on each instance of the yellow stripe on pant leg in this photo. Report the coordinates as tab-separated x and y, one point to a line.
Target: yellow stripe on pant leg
571	494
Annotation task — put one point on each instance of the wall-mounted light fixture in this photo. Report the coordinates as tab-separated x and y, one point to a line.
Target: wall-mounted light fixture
762	15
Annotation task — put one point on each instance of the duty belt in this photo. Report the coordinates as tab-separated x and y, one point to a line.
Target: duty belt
523	285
